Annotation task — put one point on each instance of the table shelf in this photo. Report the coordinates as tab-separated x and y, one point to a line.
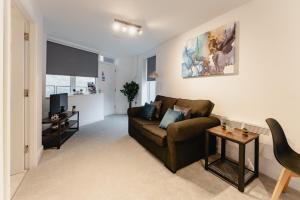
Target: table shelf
229	171
66	128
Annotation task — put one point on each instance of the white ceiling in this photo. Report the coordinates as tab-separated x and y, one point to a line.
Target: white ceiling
89	22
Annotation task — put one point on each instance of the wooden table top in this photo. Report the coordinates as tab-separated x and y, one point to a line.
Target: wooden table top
235	135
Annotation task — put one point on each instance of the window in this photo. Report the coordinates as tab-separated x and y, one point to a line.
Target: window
56	84
151	78
81	83
151	91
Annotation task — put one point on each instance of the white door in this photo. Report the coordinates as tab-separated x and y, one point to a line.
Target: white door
17	92
107	85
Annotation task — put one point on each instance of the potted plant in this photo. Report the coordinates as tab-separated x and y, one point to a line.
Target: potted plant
130	90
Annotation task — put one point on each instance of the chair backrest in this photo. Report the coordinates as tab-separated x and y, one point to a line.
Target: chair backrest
280	144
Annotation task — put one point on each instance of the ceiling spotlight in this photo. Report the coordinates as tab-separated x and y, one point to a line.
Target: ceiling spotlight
124	28
127	27
132	31
116	26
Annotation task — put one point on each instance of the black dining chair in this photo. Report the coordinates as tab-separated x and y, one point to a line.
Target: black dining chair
285	155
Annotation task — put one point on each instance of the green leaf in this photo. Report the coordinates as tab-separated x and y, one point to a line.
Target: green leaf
130	90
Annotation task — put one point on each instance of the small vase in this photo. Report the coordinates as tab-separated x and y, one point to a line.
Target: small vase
73	108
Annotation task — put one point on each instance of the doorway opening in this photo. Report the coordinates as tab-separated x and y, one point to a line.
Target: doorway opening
107	84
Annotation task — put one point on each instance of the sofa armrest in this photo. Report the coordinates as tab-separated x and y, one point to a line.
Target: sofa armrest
190	128
134	111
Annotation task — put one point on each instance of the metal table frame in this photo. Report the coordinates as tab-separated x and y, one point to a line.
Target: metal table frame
241	163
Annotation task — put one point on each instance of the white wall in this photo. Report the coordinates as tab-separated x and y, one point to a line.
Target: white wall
90	107
268	82
6	98
2	139
127	71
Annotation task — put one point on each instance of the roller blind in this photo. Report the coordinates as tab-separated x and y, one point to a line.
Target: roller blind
151	68
65	60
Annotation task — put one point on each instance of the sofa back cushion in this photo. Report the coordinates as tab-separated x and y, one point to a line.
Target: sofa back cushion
157	105
187	112
200	108
148	111
167	102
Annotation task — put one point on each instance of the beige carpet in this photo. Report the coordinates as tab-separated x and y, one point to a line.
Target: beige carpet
15	182
103	162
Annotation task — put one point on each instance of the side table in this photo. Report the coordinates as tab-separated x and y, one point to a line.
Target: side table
233	172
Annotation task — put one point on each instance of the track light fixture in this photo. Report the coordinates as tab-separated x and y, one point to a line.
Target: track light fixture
127	27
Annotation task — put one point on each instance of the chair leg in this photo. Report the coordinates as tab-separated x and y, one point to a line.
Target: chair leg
286	185
281	183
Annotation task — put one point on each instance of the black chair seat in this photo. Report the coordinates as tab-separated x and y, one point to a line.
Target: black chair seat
291	161
284	154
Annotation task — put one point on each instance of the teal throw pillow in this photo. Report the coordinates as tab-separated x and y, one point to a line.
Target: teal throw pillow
148	111
171	116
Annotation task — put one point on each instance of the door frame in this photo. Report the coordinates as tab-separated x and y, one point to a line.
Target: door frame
26	99
35	87
25	85
3	137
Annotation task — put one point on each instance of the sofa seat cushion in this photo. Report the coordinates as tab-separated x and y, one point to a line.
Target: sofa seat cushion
139	122
155	134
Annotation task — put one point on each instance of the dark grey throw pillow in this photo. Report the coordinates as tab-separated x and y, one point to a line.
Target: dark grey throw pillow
148	111
157	108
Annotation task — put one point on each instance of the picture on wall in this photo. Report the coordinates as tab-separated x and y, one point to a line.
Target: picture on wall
212	53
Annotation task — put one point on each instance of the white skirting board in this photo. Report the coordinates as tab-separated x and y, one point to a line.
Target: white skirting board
40	153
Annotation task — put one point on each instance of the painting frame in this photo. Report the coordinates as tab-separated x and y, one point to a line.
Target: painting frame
212	53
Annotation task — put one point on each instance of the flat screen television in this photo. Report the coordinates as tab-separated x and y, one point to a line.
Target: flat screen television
58	103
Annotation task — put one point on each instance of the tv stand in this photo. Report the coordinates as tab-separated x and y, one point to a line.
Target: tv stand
66	128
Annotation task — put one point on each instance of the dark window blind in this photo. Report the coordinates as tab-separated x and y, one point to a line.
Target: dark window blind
151	68
65	60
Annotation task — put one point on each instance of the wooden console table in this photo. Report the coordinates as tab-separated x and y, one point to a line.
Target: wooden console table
233	172
66	128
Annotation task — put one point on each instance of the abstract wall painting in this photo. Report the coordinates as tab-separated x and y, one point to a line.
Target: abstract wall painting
212	53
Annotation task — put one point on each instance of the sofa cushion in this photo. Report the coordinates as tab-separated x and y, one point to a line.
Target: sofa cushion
157	105
155	134
167	102
138	122
170	117
186	111
148	111
200	108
